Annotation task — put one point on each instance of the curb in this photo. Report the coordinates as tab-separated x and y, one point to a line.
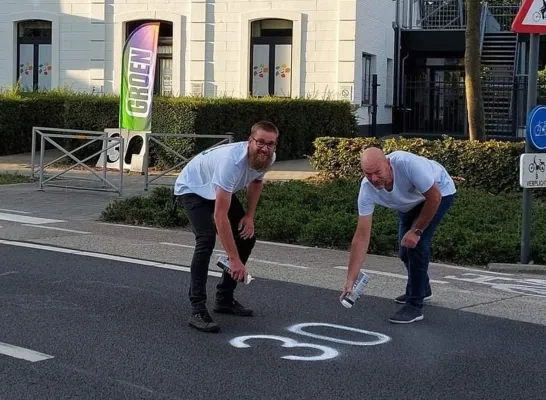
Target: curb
525	268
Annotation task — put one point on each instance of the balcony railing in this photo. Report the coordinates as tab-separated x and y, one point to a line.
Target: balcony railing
451	15
432	14
504	16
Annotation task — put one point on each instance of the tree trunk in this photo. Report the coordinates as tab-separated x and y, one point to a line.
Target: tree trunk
472	63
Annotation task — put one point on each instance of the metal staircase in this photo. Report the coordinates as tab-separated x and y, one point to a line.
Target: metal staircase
498	65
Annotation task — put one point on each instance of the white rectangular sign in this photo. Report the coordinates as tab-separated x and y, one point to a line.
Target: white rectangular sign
532	167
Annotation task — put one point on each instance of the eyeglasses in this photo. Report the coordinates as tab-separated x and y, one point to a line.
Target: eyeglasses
261	143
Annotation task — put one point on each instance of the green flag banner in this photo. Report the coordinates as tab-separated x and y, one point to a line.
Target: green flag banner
137	78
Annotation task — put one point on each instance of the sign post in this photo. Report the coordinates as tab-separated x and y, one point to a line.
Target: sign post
531	18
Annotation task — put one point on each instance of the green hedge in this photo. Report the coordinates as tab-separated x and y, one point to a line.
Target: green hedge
490	165
300	121
19	114
479	229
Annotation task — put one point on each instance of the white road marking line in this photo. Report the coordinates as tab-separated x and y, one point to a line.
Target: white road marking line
15	211
9	273
27	220
129	226
371	271
22	353
103	256
294	246
277	263
56	229
177	245
469	269
250	259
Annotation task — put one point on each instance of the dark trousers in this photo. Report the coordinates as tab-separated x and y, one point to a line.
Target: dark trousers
200	213
417	259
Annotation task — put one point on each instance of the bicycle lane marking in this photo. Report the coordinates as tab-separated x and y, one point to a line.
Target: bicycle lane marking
22	353
526	286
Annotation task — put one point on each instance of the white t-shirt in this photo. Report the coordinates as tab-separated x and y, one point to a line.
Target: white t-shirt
225	166
413	175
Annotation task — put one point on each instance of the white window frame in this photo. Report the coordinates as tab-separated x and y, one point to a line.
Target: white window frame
246	20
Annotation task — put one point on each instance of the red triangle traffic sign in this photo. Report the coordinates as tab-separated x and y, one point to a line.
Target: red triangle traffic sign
531	17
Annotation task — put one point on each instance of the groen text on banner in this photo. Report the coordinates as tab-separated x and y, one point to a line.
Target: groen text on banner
137	78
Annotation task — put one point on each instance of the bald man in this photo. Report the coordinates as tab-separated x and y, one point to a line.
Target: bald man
422	191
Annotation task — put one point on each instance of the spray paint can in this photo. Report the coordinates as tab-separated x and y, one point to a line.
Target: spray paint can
358	288
223	263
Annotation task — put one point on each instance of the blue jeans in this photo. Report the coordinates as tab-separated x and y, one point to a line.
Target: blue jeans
417	259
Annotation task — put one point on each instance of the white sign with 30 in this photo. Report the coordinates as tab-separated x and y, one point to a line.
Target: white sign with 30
327	352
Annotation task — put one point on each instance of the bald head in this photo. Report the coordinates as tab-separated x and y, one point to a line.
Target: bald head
376	167
372	156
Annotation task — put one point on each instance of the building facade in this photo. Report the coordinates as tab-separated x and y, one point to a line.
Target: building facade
430	91
322	49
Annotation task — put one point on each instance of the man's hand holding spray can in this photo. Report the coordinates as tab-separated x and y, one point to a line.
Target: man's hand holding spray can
223	263
351	295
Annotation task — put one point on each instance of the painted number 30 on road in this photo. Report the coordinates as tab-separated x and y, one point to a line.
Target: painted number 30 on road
326	352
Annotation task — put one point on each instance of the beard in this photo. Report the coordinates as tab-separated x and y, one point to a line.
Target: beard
260	161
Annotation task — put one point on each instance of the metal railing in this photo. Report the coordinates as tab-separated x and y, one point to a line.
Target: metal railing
442	14
483	25
451	14
439	107
498	98
153	137
504	16
432	14
434	107
49	134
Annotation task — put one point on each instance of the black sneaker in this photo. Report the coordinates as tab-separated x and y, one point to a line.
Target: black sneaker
203	322
406	315
402	299
232	307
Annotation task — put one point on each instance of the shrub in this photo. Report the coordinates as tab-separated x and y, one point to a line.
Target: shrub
479	229
157	209
19	114
8	178
491	165
300	121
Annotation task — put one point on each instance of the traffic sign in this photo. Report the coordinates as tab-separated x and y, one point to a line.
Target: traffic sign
531	17
532	170
536	127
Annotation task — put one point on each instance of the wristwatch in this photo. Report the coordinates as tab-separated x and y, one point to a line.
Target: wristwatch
417	231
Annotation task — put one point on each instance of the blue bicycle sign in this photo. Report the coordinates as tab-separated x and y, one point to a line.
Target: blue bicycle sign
536	127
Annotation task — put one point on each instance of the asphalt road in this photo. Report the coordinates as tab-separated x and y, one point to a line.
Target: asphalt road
114	330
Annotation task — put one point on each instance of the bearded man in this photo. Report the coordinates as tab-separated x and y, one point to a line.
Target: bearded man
206	188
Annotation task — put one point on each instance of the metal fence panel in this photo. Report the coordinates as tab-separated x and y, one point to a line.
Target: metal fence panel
52	135
439	107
